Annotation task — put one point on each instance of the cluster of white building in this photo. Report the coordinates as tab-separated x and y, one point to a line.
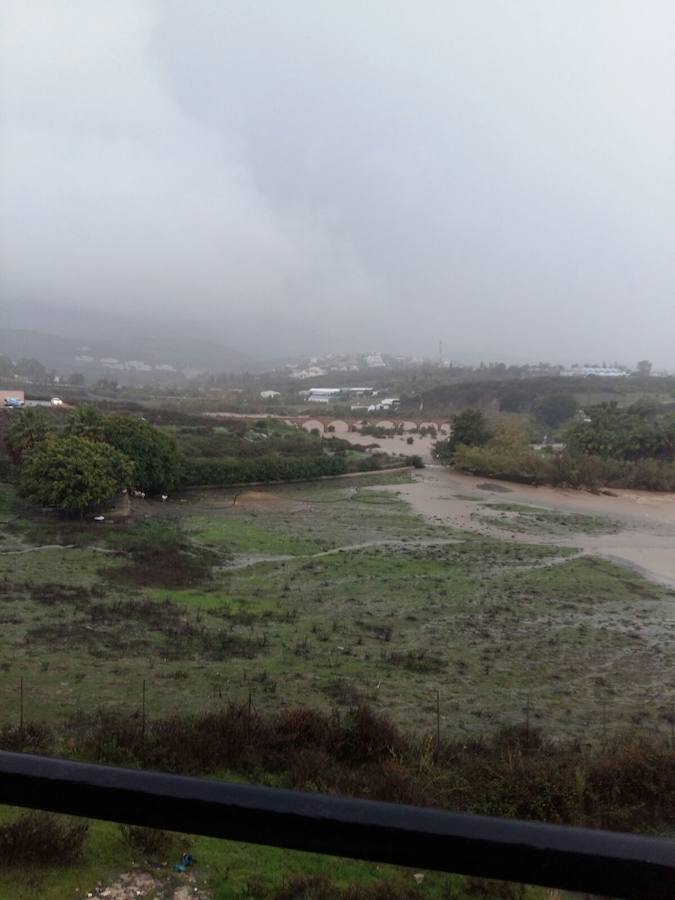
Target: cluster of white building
128	365
598	371
330	395
347	394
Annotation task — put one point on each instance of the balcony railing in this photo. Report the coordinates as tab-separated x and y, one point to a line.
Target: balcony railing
578	859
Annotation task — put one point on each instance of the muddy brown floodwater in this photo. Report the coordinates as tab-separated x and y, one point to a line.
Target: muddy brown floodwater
644	539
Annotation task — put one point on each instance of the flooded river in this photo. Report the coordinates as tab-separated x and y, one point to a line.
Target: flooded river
644	539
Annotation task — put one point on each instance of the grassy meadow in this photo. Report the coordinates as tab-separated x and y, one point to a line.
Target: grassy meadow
324	595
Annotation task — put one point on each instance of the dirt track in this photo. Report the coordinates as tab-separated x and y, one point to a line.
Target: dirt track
645	540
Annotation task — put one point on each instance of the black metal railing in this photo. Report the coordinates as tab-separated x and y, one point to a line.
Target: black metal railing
578	859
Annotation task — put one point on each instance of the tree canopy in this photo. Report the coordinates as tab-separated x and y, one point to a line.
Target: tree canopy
86	422
630	434
30	426
157	464
470	428
73	473
556	409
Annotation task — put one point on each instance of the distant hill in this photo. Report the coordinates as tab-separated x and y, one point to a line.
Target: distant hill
59	352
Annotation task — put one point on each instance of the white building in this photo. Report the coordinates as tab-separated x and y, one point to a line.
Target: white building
375	361
269	395
389	403
322	395
597	371
309	372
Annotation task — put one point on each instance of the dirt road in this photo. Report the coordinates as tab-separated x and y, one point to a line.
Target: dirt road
644	540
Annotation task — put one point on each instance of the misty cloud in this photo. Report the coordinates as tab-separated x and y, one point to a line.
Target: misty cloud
318	176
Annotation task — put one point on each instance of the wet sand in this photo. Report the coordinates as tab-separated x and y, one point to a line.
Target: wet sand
644	541
421	446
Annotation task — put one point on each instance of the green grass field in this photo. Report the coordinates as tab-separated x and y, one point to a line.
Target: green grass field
330	594
535	520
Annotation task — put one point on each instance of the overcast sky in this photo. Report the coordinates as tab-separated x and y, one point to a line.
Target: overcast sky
316	175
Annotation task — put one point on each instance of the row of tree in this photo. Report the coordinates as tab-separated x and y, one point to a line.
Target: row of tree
91	459
621	447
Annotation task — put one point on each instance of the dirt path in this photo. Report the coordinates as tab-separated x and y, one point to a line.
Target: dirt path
155	885
243	562
645	540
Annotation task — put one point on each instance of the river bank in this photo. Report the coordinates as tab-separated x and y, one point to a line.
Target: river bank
643	537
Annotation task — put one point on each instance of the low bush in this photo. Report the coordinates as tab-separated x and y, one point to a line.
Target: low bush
41	839
528	466
150	842
516	772
33	737
320	887
276	468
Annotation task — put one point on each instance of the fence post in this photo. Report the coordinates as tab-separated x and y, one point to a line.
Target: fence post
438	724
143	721
527	718
21	703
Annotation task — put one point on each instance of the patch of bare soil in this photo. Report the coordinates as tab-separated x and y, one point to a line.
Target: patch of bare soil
267	500
163	885
216	501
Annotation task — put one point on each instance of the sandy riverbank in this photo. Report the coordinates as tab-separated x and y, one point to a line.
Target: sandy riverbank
644	540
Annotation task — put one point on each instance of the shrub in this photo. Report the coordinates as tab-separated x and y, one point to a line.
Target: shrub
151	842
320	887
161	555
40	838
33	737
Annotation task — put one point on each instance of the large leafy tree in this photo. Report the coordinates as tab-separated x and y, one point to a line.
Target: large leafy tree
72	473
470	428
85	422
556	409
157	464
31	425
629	434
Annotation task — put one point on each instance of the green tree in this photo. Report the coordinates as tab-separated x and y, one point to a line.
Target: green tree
470	428
30	426
629	434
644	368
76	379
556	409
85	422
157	464
72	474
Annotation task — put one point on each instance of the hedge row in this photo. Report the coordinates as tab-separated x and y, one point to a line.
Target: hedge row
223	472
